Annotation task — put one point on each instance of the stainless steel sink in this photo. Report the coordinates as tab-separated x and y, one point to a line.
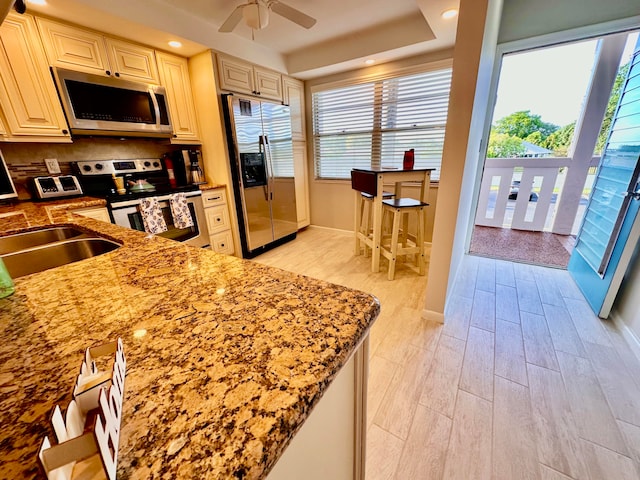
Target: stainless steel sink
44	257
23	241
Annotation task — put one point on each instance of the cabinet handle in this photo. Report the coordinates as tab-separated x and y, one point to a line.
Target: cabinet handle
108	72
117	74
65	132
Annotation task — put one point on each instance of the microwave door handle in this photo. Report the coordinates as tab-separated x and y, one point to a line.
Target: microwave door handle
156	108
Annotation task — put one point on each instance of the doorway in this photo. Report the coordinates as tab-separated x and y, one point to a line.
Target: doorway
544	146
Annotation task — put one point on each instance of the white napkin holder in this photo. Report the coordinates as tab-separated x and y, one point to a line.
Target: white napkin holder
88	438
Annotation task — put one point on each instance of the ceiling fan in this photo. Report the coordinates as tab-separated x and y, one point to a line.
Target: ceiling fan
256	15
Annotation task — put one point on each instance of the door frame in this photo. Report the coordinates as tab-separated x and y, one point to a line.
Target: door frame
541	41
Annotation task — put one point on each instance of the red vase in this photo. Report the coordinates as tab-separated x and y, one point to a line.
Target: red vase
407	161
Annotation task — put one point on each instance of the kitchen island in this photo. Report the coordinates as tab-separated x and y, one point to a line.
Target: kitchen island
226	358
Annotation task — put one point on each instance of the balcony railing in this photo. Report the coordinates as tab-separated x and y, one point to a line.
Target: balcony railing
525	193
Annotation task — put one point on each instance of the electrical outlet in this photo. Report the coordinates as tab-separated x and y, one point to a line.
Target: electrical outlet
52	165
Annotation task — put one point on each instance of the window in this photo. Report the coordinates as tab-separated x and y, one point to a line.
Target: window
370	125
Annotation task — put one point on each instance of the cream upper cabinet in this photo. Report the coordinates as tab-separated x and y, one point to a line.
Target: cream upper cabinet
293	95
238	76
88	51
28	96
268	84
131	61
174	76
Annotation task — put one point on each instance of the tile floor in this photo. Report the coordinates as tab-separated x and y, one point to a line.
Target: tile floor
522	381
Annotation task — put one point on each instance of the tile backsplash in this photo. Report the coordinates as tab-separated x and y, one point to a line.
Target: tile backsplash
26	160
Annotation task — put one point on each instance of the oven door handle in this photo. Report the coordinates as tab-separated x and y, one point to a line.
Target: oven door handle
161	198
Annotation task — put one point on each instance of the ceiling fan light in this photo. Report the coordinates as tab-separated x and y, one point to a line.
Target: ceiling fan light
256	15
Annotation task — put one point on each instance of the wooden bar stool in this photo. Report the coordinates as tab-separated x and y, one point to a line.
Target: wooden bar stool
401	242
366	218
365	185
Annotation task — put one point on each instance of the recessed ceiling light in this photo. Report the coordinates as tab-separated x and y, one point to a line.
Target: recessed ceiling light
38	2
371	61
452	12
175	44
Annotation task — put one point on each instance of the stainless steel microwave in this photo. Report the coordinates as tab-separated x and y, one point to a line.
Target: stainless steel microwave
98	105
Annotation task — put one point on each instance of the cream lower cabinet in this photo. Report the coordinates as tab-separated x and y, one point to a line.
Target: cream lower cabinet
174	76
218	221
28	96
97	213
331	444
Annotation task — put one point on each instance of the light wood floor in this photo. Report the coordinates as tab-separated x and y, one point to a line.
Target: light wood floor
521	382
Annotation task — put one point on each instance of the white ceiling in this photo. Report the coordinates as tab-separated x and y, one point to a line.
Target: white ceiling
347	32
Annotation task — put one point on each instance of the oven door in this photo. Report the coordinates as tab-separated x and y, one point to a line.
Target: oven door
126	214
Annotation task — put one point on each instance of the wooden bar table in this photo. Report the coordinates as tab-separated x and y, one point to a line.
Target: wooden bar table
422	176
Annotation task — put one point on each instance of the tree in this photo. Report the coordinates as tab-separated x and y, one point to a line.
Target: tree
502	145
535	138
523	123
560	140
611	107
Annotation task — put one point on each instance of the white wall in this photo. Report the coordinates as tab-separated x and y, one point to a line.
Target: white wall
627	304
473	61
526	19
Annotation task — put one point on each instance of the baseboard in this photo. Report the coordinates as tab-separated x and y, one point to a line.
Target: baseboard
329	229
628	334
433	316
343	232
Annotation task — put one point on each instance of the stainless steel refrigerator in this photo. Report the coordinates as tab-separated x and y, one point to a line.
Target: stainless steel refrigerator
261	154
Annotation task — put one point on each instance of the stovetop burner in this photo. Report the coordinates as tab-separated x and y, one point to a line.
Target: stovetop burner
96	178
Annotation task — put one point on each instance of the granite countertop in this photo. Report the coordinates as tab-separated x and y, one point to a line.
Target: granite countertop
225	357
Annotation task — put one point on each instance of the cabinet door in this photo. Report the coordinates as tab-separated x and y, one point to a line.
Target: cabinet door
217	219
132	62
293	95
74	48
301	174
222	242
235	76
268	84
174	75
28	96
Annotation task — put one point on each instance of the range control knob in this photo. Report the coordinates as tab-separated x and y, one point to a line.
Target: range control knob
147	163
86	168
156	164
99	166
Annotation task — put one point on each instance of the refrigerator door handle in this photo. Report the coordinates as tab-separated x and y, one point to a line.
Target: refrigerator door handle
270	170
263	150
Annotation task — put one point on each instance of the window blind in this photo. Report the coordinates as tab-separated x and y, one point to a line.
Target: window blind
370	125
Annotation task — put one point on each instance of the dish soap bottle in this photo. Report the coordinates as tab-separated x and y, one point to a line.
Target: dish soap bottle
6	283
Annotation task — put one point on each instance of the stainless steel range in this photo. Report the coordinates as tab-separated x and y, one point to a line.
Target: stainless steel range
142	178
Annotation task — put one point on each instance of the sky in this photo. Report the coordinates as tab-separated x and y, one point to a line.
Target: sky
550	82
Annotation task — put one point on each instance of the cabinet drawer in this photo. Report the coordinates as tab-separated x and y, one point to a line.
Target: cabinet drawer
222	242
217	219
214	197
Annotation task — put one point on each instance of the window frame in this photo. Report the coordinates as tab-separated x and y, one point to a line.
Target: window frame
379	74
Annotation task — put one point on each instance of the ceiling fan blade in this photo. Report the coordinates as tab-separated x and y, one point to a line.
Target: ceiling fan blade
290	13
233	20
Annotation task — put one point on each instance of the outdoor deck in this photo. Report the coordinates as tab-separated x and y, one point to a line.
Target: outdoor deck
537	248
